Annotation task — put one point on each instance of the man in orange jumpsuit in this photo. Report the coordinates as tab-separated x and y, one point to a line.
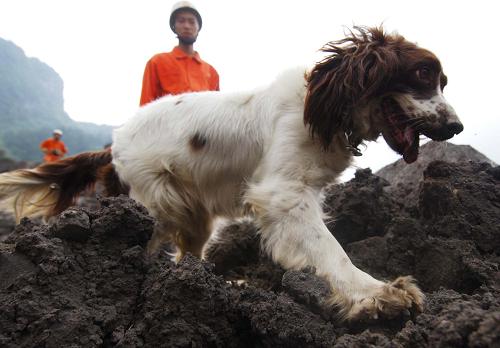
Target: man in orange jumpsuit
53	148
181	70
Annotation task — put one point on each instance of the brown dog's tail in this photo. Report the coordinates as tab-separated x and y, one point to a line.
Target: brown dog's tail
52	187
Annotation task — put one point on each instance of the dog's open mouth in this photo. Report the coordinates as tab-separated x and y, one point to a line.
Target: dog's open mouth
398	131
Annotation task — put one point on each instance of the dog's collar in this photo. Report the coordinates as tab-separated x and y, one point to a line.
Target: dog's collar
352	144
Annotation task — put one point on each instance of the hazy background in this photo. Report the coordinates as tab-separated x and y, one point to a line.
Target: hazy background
99	48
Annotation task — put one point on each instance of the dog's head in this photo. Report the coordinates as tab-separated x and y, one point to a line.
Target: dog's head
375	83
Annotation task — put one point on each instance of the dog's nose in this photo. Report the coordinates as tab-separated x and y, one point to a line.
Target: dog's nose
445	131
455	127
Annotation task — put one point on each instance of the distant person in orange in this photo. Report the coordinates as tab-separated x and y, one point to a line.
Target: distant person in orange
53	148
181	70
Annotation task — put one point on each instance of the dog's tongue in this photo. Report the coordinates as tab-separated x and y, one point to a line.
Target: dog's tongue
410	152
404	140
398	134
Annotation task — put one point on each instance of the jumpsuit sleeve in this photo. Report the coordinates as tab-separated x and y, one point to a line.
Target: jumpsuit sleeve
214	80
150	84
44	145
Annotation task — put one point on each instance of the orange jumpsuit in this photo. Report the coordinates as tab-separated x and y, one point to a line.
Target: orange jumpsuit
53	146
176	72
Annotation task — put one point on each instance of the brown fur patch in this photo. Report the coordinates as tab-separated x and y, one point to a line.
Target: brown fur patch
69	177
112	183
197	142
362	66
72	175
187	225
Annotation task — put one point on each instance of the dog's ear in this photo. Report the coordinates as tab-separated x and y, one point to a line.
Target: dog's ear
358	68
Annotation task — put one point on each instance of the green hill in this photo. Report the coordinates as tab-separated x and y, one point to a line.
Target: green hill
32	105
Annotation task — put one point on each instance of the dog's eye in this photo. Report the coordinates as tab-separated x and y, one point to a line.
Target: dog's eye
424	73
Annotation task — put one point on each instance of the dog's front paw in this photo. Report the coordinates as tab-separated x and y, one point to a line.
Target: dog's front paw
391	300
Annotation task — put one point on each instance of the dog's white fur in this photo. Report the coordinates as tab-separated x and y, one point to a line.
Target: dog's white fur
258	153
194	157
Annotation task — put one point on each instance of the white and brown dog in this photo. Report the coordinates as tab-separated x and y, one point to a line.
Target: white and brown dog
193	157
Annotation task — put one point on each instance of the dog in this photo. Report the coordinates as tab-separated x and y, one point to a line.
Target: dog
269	152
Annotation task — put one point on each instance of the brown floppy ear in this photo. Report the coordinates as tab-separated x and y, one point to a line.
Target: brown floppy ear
358	67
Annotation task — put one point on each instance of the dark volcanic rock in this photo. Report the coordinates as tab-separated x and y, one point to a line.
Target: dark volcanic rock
73	224
449	239
277	321
7	164
310	290
405	178
455	320
185	305
236	255
83	280
7	224
7	221
462	201
73	293
359	208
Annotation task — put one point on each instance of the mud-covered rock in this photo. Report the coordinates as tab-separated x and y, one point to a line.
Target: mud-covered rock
237	256
185	305
278	321
455	320
405	178
83	279
359	208
72	224
71	292
7	224
307	288
462	201
7	164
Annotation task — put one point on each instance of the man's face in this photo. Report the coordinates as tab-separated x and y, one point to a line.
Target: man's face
57	136
186	27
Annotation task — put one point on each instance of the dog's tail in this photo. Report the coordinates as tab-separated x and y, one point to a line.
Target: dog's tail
52	187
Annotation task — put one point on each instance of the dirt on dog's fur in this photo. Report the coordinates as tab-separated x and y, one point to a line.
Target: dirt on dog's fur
82	280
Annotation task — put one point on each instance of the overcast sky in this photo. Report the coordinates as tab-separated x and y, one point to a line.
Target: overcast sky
100	47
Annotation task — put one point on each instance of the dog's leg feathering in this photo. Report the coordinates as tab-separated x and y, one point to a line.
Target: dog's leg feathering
294	234
182	219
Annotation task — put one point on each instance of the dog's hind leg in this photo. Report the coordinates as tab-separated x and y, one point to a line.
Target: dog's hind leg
188	229
181	217
192	236
163	234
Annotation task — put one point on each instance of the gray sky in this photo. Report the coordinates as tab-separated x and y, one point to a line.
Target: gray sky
100	47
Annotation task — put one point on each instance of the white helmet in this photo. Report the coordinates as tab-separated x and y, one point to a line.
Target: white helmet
57	131
183	5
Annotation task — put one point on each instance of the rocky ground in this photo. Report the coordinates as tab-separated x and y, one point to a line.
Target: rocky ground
83	281
7	164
